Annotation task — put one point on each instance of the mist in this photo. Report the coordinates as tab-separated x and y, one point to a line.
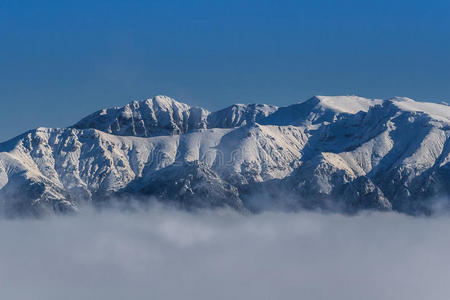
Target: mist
168	254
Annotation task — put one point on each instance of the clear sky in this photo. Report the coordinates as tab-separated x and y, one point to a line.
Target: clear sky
61	60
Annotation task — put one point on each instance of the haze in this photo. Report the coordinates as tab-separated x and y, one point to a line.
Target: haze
165	254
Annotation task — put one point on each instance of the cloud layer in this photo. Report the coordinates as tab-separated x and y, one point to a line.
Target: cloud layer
166	254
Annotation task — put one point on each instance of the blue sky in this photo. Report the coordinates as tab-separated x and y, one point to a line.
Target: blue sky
60	60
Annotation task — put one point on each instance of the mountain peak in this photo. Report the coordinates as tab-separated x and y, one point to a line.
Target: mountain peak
240	114
160	115
437	111
347	104
167	102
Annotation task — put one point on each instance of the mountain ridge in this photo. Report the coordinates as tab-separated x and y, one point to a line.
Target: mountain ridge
343	153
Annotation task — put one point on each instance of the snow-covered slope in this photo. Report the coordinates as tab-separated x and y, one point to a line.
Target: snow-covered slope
320	109
346	152
240	114
160	115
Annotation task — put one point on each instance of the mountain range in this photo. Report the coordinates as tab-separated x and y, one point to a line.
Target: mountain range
339	153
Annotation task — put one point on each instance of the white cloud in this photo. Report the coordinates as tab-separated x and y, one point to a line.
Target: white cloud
165	254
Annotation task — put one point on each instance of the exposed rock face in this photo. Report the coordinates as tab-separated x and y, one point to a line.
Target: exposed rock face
341	153
160	115
362	193
192	185
239	115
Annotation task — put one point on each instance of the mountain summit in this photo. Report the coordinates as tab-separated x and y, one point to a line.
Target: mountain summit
342	153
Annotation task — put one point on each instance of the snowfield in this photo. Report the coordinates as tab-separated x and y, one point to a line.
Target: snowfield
342	153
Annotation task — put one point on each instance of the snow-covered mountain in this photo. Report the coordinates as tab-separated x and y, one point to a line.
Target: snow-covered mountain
342	153
160	115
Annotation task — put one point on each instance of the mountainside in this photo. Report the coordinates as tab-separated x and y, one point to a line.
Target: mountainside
343	153
158	116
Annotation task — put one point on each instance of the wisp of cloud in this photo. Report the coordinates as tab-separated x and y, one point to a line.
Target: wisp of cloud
168	254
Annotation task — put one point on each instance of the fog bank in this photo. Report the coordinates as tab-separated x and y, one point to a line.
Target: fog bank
166	254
